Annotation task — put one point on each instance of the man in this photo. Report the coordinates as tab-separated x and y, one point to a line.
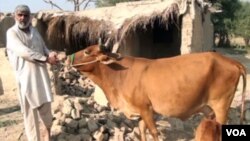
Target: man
28	56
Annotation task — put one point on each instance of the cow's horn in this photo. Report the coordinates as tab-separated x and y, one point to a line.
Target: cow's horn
104	47
107	43
101	46
100	41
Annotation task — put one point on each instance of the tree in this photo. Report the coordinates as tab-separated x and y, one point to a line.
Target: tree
242	22
77	3
52	4
223	22
103	3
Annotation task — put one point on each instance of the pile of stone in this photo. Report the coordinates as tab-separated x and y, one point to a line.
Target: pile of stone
68	81
78	117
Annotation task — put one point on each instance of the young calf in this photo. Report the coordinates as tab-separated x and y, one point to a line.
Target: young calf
208	130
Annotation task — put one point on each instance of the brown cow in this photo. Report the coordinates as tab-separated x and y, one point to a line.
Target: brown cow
176	87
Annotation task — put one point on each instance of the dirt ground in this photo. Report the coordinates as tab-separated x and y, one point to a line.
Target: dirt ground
11	123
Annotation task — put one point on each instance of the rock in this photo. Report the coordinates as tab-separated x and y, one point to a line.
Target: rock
176	123
56	106
129	123
118	135
72	137
71	130
75	114
58	129
98	135
61	139
163	123
247	105
92	125
247	115
67	109
62	119
82	123
111	124
71	123
100	97
86	137
58	115
62	136
57	122
84	131
78	106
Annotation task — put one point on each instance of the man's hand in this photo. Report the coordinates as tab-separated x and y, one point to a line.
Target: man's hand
52	58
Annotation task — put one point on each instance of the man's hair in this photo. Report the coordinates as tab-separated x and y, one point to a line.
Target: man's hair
22	8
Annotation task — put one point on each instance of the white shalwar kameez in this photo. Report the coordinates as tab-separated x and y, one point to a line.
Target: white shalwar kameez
27	54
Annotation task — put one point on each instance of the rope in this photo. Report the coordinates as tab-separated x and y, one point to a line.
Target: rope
72	58
80	64
86	63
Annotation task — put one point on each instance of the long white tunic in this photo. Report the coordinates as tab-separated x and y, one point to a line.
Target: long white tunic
25	52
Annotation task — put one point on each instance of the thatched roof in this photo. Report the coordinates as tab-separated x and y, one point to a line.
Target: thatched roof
76	30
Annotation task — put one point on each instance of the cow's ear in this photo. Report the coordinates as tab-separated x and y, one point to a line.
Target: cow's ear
116	56
104	59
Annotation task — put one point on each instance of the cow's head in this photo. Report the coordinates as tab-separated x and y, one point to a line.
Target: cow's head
85	60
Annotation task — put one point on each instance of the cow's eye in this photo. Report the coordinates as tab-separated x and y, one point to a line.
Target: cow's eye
86	53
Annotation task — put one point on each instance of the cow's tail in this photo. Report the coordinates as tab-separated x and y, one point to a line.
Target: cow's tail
243	74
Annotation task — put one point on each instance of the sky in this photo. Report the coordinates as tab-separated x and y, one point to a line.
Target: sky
35	5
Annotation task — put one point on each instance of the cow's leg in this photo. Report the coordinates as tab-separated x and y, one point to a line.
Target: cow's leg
221	116
221	108
147	117
220	113
142	128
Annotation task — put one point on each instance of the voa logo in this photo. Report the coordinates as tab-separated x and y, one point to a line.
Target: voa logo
236	132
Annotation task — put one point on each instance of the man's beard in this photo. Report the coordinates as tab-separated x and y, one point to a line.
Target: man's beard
23	25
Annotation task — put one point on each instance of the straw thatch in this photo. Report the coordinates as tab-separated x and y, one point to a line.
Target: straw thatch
126	24
74	32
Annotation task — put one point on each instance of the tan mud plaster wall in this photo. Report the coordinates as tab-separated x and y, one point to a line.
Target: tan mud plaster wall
197	36
186	32
208	33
